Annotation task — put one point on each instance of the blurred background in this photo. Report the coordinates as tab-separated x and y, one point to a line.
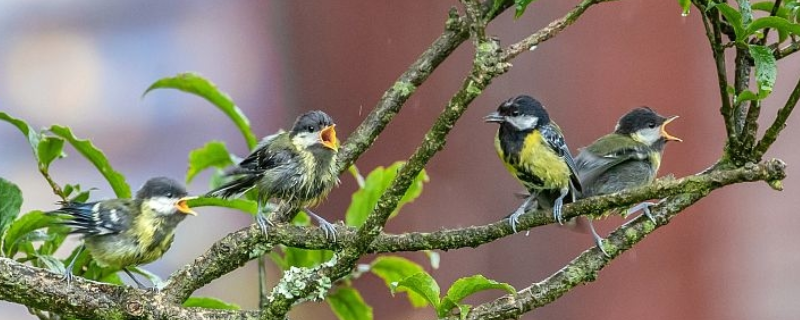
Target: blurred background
85	64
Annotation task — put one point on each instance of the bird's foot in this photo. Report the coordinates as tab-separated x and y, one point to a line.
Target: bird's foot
597	239
645	207
263	223
327	227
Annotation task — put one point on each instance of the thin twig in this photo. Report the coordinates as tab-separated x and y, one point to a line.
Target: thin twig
780	122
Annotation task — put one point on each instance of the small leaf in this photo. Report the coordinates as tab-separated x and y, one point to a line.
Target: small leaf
766	68
248	206
520	6
376	183
421	283
304	258
393	269
209	303
195	84
347	304
10	204
97	158
746	95
21	227
213	154
685	6
51	263
466	286
777	23
49	149
55	237
734	18
33	136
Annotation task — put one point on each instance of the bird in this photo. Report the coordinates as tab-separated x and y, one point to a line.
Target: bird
533	149
297	167
626	158
121	233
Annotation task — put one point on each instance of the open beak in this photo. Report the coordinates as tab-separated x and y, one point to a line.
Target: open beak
328	137
183	206
494	117
666	135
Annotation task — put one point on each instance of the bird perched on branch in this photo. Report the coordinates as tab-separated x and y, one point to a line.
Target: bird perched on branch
533	149
626	158
297	167
122	233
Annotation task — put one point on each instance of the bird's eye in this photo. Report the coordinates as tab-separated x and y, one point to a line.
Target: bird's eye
169	194
651	125
515	113
310	128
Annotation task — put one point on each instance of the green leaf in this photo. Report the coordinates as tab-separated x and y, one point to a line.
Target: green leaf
213	154
746	95
685	6
766	6
421	283
520	6
10	203
734	18
33	136
347	304
195	84
376	183
51	263
393	269
777	23
23	226
97	158
55	237
467	286
296	257
209	303
248	206
766	68
49	149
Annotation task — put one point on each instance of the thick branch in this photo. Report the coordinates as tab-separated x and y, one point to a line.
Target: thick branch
45	290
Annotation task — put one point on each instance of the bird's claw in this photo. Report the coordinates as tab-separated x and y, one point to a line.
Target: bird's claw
645	207
327	227
263	223
513	219
597	239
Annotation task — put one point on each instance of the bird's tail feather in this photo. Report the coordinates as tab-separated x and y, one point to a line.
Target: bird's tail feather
235	187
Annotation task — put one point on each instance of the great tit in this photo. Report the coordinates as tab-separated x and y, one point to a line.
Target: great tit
297	167
121	233
627	158
533	149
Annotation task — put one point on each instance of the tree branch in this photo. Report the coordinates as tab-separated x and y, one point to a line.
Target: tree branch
585	268
713	33
780	122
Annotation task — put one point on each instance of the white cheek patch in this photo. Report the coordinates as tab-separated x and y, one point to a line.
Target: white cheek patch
306	139
162	205
524	122
648	136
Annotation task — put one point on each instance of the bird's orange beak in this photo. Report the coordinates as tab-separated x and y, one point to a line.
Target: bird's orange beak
666	135
183	206
328	137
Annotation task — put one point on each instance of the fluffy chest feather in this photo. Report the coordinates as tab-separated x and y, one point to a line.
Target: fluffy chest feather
531	160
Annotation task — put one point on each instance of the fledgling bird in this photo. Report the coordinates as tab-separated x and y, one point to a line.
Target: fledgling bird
533	149
121	233
297	167
626	158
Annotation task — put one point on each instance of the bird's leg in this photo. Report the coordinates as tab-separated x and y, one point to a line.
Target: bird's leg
645	207
597	239
327	227
68	271
513	219
139	284
558	204
261	218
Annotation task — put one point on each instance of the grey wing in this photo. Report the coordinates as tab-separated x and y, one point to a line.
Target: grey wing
594	169
629	174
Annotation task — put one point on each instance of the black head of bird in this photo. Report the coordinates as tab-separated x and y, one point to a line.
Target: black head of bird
646	126
315	131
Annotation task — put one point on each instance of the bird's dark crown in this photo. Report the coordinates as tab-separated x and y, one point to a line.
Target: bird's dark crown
312	121
524	105
161	187
637	119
